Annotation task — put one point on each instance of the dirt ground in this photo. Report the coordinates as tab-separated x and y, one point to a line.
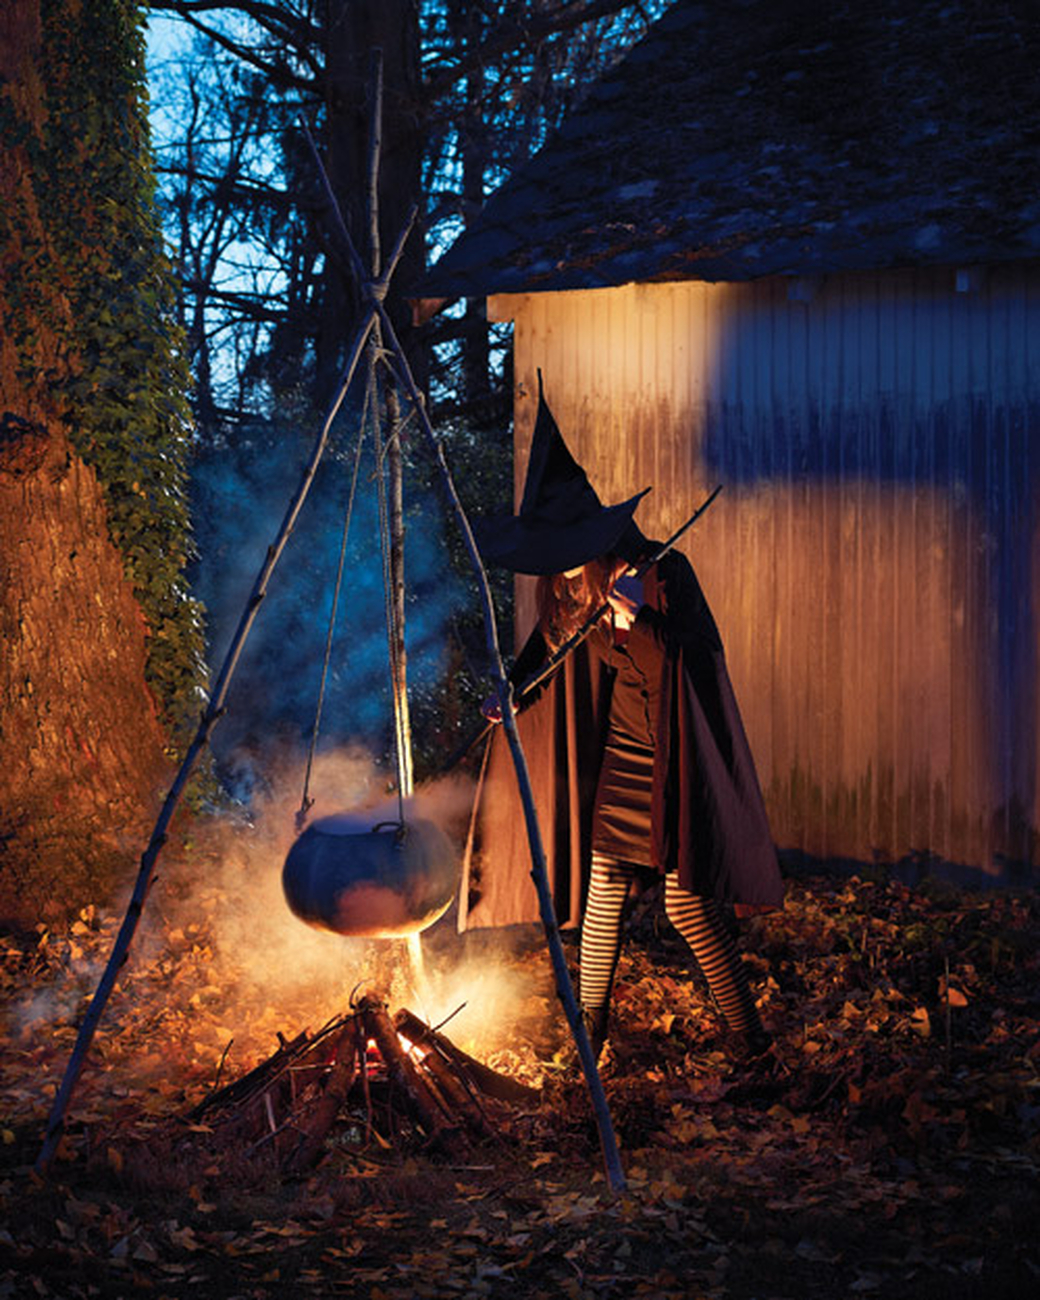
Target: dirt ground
888	1148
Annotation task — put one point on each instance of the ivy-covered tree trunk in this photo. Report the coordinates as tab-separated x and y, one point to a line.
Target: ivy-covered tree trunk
82	738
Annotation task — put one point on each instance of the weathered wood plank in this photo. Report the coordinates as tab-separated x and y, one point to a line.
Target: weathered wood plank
871	563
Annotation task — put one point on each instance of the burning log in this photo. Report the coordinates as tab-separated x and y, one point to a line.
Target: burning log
430	1111
367	1068
490	1082
349	1046
450	1083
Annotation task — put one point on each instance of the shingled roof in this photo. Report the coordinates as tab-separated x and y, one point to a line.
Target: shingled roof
743	138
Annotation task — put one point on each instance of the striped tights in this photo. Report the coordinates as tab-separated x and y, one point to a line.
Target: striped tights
697	920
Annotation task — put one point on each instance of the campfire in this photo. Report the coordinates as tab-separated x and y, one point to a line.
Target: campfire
389	1080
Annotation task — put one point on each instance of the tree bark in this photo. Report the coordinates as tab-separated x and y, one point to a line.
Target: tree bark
79	731
476	358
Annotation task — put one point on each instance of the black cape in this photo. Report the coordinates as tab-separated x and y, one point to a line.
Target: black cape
708	818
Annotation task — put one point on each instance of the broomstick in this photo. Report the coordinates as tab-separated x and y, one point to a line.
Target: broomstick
557	657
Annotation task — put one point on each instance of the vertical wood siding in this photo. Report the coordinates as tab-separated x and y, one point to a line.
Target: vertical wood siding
872	559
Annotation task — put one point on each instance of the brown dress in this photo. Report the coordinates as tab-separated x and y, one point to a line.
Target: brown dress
621	811
586	750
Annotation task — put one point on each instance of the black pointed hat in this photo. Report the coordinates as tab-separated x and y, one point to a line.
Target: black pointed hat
562	523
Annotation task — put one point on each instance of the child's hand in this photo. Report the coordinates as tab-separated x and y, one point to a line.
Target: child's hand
626	600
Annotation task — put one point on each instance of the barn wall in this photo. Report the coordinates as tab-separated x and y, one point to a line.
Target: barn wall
871	558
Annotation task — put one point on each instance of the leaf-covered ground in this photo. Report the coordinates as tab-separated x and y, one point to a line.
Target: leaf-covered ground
891	1151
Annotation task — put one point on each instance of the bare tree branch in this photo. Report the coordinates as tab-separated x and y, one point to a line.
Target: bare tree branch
498	75
242	187
276	71
528	32
278	19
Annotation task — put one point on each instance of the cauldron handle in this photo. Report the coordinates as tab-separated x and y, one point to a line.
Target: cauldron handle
402	829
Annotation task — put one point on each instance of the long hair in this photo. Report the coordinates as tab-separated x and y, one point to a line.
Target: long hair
564	604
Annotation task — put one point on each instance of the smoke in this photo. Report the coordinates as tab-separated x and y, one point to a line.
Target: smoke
220	966
270	972
219	956
268	964
240	495
262	953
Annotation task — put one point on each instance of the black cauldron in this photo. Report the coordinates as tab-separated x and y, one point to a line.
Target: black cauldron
354	875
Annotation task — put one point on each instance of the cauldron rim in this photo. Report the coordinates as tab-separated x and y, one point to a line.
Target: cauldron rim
360	823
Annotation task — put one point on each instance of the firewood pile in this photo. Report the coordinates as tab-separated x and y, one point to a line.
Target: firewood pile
382	1079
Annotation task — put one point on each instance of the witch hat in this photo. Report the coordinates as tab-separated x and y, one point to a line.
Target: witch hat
561	524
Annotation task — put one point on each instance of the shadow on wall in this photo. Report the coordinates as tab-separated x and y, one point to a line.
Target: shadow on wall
929	396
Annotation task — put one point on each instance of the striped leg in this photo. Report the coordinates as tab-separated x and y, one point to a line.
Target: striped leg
699	923
601	931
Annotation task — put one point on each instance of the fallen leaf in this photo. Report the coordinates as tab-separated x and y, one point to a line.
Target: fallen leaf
921	1022
951	994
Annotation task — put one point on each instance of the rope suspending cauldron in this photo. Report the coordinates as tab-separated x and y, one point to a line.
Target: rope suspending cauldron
380	872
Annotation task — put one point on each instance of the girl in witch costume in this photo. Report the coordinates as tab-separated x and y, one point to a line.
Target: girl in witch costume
637	754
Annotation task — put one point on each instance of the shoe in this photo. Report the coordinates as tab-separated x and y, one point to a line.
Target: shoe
595	1022
750	1046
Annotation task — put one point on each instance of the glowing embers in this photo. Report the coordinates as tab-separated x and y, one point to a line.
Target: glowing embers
355	874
